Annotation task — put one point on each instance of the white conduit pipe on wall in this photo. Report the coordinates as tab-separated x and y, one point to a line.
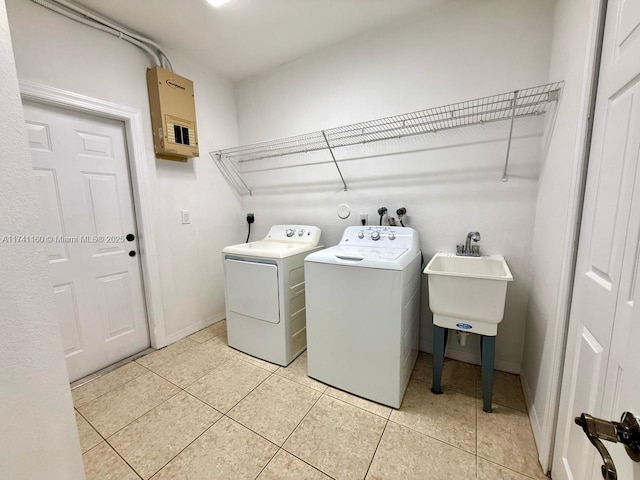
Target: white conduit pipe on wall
109	23
92	19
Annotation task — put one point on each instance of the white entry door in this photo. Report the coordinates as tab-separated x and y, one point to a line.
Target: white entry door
82	173
602	363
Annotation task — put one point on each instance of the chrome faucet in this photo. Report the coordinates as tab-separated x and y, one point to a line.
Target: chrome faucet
468	250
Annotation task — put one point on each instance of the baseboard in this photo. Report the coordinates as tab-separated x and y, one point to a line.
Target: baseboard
535	422
193	328
533	416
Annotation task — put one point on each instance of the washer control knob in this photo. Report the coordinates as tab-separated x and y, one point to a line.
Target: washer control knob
375	235
290	232
361	235
301	232
392	236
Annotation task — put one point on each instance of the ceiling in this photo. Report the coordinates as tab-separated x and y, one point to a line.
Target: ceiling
246	37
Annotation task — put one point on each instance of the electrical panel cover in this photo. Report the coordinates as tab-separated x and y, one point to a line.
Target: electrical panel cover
173	115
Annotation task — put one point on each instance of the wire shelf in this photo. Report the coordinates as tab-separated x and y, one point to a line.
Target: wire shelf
495	108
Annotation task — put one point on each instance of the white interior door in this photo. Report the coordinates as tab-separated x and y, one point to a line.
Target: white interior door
602	363
82	174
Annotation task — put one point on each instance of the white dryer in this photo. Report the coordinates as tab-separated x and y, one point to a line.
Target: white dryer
265	293
363	309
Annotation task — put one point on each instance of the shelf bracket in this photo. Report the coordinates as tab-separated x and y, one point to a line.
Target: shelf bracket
505	176
231	172
334	159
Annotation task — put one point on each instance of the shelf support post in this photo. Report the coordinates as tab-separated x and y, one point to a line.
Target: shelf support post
334	159
505	176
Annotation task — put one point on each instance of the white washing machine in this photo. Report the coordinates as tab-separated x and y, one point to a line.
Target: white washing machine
265	293
363	309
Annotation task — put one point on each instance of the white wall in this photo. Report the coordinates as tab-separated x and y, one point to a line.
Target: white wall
61	53
555	220
39	437
456	51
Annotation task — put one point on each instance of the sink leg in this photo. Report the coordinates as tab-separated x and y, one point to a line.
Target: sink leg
488	354
440	336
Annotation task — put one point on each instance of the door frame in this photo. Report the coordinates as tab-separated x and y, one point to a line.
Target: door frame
572	238
140	185
545	432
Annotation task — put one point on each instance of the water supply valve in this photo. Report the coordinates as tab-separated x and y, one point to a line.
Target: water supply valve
382	211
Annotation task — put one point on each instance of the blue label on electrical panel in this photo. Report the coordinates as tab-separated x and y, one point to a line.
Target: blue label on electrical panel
464	326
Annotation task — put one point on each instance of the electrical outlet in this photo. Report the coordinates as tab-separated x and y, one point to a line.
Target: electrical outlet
364	218
186	217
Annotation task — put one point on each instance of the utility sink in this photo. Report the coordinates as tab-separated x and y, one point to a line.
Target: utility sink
468	293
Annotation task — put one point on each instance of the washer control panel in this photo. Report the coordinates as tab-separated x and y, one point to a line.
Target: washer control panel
294	233
396	237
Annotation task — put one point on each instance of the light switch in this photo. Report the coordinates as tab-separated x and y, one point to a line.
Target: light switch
186	218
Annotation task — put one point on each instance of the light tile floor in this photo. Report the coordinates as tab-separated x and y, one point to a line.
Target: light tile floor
198	409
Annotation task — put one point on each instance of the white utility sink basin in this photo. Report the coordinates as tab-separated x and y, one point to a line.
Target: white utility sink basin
468	293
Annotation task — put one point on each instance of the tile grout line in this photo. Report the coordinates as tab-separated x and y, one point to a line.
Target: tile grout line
305	416
475	400
227	359
294	430
106	439
187	446
301	420
362	408
109	369
140	416
257	433
376	450
307	463
261	435
135	419
267	464
247	394
478	400
280	449
433	438
202	401
180	389
222	415
196	380
480	457
114	388
110	446
510	469
323	393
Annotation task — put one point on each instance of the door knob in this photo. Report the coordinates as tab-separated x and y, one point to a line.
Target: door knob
626	431
132	253
130	237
